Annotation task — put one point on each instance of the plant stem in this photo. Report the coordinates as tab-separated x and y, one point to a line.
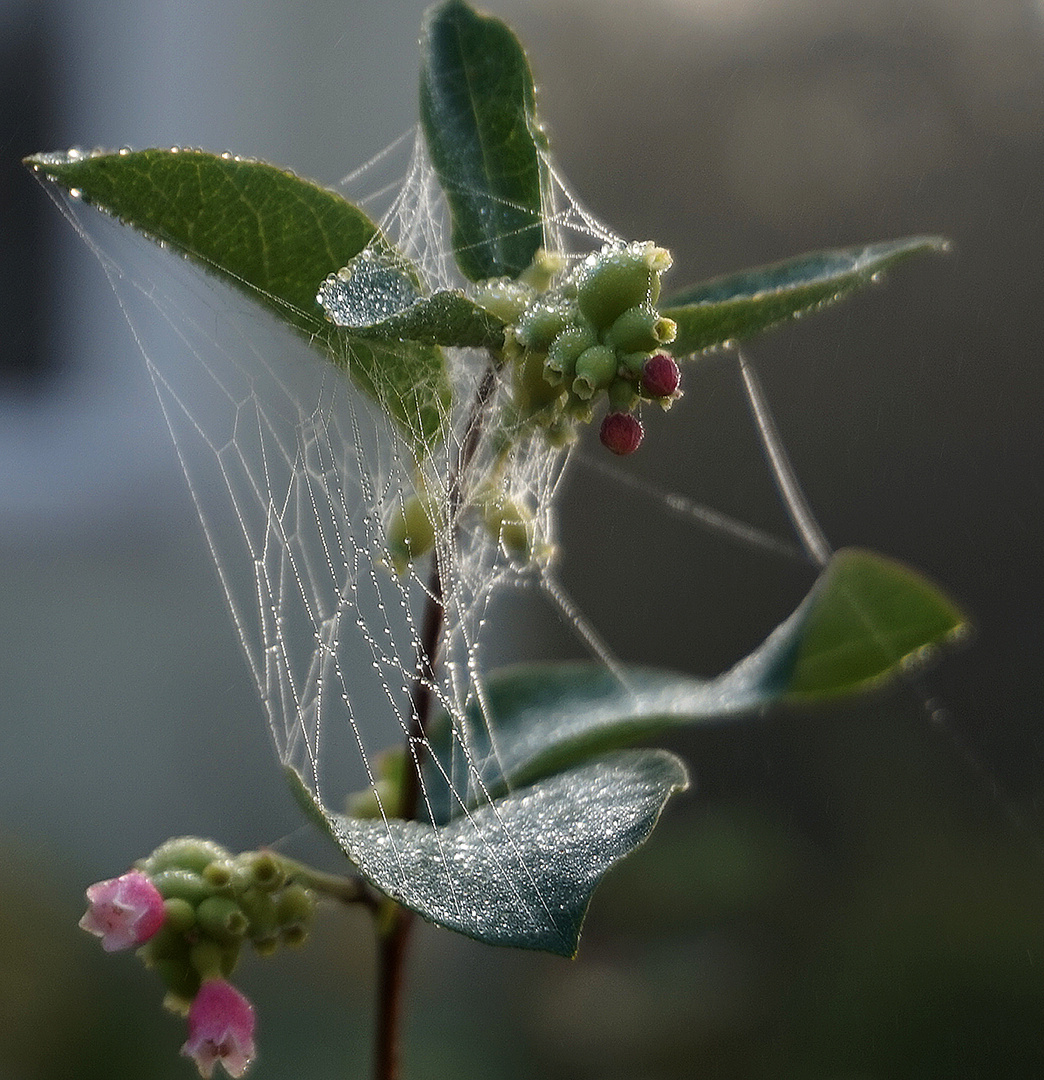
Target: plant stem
391	956
393	935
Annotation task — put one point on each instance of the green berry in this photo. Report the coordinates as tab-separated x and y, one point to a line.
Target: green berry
293	936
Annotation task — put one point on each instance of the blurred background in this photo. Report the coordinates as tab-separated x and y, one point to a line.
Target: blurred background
846	894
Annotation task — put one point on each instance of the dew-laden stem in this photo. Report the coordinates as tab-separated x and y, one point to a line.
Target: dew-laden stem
395	921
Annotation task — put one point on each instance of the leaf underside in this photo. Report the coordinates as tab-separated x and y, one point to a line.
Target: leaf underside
271	235
478	114
739	305
519	872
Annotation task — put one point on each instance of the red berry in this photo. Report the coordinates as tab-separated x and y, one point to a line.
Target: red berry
621	432
660	376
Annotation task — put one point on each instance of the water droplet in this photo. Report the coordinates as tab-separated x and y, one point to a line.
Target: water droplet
75	193
124	151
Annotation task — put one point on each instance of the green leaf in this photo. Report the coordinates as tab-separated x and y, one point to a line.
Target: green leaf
739	305
375	296
478	112
867	618
519	872
270	234
864	619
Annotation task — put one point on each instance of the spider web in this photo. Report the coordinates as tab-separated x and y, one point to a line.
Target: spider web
296	476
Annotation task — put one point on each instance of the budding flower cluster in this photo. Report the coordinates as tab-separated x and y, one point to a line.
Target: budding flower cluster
597	333
188	908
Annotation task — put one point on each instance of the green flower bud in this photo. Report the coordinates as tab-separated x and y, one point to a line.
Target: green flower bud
540	322
263	871
182	884
183	853
560	365
294	936
371	802
595	370
178	1004
179	915
221	918
617	278
382	798
295	906
509	524
260	910
503	297
266	946
219	873
640	329
540	272
410	532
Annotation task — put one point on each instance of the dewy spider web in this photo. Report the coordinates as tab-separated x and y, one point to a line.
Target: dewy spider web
292	467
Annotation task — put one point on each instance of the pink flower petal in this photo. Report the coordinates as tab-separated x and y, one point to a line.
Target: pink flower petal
124	912
221	1028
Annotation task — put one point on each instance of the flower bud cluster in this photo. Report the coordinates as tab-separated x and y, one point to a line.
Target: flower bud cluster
189	908
595	336
214	903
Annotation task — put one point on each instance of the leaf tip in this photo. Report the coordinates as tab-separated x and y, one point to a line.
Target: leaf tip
869	619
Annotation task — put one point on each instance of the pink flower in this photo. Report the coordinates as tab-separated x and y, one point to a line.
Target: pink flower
221	1028
125	911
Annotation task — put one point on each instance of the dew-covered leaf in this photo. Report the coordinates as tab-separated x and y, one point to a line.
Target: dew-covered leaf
865	618
376	296
518	872
478	112
739	305
271	235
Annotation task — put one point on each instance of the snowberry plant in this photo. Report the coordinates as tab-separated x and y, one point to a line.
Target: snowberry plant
510	793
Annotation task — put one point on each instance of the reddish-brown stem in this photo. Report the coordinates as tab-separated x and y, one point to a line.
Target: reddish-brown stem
393	936
391	956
